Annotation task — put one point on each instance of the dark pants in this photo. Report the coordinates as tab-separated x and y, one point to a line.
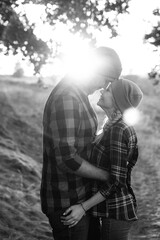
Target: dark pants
94	232
115	229
109	229
62	232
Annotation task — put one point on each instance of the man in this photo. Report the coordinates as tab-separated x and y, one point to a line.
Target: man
69	127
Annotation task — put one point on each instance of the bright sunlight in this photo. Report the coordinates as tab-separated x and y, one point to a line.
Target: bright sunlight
76	52
77	56
131	116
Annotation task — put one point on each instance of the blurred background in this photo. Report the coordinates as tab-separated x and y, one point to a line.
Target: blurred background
41	40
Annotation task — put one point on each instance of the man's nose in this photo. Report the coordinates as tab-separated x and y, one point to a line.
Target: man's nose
102	90
105	85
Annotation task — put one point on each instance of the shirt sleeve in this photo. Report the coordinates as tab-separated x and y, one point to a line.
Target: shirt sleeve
132	154
118	162
64	124
133	150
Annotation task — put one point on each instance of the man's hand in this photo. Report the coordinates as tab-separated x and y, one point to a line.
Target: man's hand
73	215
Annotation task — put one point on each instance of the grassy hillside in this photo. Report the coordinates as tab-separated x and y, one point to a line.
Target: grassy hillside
21	108
20	158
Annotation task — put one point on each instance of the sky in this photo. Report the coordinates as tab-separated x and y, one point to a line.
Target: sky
136	57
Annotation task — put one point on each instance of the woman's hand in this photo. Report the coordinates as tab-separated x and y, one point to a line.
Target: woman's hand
73	215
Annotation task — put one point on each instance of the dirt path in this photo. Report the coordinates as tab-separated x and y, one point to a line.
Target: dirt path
147	187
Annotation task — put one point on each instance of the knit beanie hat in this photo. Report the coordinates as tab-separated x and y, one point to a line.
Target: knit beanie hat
126	94
110	61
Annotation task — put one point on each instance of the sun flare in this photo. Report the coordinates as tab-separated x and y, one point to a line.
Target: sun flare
78	58
131	116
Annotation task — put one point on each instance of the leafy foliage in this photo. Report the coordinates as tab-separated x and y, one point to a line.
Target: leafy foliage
154	38
17	33
83	14
154	35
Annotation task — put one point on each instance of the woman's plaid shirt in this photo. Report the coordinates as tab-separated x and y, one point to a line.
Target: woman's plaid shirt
69	126
116	151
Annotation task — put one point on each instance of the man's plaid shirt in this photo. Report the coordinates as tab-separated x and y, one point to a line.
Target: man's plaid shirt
116	151
69	126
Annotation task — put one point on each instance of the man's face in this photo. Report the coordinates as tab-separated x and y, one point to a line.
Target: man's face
99	81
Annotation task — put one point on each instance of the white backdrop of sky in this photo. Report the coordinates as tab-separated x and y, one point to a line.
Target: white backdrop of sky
137	57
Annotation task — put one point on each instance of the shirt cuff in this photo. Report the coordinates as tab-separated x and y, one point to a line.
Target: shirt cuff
71	164
74	163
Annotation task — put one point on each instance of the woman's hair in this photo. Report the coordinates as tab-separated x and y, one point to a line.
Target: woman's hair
126	94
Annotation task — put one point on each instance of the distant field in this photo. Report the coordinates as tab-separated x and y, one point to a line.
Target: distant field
21	109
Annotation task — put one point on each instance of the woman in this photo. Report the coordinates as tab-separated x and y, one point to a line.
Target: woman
114	150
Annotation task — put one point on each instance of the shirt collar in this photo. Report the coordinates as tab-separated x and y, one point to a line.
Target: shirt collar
111	122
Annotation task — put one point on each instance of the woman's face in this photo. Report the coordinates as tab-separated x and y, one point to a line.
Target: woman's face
106	99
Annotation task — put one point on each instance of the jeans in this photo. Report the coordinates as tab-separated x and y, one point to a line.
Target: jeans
94	232
62	232
108	229
115	229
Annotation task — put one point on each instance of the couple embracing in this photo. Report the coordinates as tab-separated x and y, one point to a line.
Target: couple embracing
86	188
